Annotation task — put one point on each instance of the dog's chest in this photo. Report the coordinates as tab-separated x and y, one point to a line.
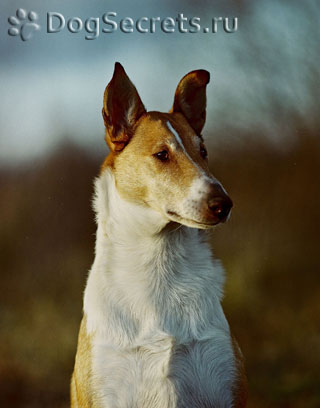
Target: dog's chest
164	374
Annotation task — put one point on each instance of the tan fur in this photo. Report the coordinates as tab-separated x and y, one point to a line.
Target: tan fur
134	136
81	382
241	385
152	135
135	167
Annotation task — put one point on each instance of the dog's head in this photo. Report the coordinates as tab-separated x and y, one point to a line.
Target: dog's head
159	159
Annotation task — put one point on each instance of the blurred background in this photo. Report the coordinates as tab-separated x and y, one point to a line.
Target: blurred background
263	137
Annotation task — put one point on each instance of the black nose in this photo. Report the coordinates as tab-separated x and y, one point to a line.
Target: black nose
220	205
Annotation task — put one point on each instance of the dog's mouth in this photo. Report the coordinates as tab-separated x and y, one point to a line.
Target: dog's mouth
190	222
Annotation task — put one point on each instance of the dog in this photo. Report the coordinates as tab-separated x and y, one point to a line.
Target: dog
153	332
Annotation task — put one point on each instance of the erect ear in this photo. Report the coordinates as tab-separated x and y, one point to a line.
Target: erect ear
190	98
121	109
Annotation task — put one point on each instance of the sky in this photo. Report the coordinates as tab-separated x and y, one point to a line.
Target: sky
52	84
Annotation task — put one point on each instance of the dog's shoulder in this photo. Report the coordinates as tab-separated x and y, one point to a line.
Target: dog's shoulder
82	374
240	388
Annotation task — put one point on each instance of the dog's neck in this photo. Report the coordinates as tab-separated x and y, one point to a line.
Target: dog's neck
147	276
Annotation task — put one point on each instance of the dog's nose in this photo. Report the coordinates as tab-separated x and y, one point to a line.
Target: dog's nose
220	204
220	207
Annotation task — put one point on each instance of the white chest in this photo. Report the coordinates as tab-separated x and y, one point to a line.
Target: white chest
165	374
159	336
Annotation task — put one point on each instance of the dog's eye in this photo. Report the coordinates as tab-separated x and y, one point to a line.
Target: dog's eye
163	155
203	152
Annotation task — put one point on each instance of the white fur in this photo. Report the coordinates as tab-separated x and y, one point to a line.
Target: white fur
189	207
152	302
177	137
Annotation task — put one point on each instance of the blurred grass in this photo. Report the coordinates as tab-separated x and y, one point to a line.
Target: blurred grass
269	247
47	237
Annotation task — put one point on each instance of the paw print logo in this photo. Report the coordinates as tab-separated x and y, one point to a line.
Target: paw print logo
23	24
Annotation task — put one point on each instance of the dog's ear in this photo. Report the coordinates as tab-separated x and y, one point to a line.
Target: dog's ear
190	98
121	109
